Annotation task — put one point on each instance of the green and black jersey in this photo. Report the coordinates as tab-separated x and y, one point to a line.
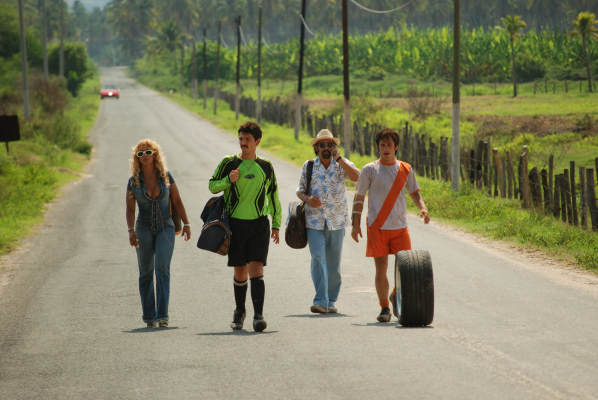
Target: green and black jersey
254	194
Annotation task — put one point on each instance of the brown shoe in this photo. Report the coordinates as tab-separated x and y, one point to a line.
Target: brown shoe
318	309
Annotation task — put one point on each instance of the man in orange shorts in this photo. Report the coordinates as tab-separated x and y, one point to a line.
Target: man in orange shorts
387	180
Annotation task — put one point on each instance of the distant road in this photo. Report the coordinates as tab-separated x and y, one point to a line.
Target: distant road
70	318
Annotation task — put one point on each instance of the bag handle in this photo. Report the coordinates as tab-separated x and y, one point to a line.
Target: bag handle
308	174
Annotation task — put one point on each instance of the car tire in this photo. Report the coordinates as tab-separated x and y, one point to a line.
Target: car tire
414	281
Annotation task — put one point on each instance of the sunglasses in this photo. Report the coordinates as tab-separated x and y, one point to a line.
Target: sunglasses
146	152
323	145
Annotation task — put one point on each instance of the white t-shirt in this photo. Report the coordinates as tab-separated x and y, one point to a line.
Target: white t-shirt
377	178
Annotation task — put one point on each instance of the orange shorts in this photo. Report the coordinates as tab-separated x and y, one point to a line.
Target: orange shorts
382	242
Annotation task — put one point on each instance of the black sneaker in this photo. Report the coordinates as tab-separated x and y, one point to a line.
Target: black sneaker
238	318
384	315
259	324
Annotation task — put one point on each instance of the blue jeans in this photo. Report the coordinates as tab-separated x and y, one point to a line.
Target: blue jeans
154	254
325	247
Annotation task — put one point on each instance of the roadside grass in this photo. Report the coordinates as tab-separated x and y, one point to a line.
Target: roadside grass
35	169
470	209
331	86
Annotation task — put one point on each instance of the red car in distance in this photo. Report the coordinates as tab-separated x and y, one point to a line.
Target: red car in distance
109	91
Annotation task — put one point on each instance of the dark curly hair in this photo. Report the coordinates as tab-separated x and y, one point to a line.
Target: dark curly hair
252	128
387	133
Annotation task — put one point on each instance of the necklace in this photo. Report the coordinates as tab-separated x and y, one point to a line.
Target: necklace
250	169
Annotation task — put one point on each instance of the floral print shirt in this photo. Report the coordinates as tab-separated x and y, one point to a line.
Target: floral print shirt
329	185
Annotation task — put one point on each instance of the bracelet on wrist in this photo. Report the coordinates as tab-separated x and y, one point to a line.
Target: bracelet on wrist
131	229
186	225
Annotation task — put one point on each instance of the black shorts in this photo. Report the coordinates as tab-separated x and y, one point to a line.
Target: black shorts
249	242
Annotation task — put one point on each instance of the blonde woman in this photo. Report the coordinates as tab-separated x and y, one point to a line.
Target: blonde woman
151	186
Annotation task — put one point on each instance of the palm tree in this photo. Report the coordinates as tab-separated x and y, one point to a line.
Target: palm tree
585	26
513	24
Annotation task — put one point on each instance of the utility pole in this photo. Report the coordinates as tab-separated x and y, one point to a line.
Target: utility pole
61	56
45	39
194	66
182	67
299	100
456	162
217	69
238	95
24	64
259	64
204	78
347	135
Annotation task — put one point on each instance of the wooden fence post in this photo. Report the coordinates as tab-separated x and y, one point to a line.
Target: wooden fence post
591	198
524	180
547	193
573	196
500	173
534	181
556	211
550	176
583	197
567	192
510	176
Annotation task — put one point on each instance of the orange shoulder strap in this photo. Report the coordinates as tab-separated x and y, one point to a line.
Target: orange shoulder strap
392	195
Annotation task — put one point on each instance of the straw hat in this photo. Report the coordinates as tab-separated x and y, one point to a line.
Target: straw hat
324	134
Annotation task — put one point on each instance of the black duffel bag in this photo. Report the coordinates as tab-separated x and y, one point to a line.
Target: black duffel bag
295	233
215	233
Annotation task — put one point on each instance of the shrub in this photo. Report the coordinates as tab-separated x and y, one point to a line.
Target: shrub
376	73
422	104
76	64
529	68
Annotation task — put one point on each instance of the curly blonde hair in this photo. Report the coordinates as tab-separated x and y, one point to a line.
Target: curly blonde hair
159	161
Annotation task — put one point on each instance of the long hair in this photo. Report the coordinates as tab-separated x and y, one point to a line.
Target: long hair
159	161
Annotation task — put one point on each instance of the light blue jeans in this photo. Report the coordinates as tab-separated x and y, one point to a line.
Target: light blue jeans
325	247
153	255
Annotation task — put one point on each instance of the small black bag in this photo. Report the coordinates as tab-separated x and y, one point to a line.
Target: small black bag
295	234
215	233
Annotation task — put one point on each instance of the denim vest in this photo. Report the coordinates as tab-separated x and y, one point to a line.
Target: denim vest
154	214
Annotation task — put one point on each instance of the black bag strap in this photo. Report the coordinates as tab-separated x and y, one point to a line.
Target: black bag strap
308	173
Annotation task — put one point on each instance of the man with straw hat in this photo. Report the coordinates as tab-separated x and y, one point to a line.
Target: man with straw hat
325	216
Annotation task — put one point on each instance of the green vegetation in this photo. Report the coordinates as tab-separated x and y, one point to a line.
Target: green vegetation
53	146
410	51
32	173
49	155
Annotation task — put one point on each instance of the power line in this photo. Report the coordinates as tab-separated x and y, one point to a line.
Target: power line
264	41
223	42
379	11
242	36
305	25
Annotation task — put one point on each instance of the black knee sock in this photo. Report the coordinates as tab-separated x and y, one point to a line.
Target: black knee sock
257	294
240	294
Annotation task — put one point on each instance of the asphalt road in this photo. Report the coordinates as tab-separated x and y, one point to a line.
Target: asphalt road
505	327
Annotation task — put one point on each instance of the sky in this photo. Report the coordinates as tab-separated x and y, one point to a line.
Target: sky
90	4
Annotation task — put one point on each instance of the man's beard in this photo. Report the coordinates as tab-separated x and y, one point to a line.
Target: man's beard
326	154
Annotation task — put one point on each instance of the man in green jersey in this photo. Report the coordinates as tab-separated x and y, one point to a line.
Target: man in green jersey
250	193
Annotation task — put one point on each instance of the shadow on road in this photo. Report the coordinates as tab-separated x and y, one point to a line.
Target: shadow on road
148	330
331	315
241	332
391	325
